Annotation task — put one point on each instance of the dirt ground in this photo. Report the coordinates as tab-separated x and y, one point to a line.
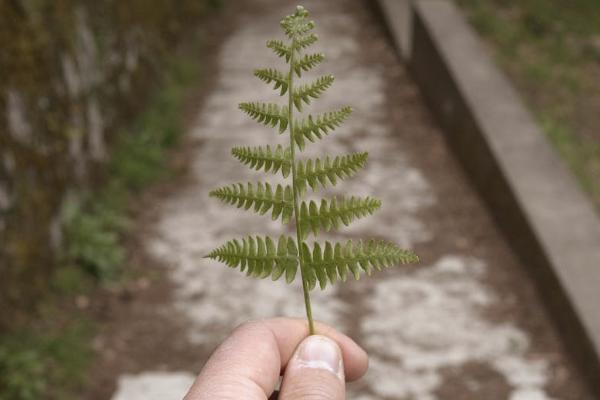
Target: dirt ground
466	323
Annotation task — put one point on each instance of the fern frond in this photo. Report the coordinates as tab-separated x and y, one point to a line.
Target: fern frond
262	198
313	90
312	173
269	75
305	41
260	257
307	62
322	124
296	25
335	260
281	49
265	158
330	213
268	114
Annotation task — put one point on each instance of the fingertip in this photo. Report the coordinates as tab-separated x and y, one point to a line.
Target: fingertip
289	332
316	370
356	360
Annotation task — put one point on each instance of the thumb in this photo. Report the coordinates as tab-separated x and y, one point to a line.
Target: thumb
315	371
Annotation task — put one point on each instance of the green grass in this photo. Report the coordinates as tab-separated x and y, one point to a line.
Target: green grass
551	50
96	221
48	361
47	358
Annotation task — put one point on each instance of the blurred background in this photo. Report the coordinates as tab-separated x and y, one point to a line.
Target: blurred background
99	105
551	52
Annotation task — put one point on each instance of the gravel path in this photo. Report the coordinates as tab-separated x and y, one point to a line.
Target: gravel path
464	324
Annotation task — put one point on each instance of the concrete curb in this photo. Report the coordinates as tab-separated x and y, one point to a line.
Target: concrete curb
536	202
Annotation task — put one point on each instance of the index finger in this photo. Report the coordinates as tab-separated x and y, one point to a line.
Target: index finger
248	363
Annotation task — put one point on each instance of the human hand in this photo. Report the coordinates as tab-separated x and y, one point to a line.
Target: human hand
247	365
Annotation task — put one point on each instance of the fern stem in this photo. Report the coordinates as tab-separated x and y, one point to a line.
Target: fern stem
305	284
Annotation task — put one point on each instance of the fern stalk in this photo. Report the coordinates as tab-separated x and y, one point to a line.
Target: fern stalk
260	256
305	288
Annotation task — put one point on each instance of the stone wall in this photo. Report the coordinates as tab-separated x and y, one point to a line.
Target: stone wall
71	72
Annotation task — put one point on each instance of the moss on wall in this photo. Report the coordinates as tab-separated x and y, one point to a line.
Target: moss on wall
71	73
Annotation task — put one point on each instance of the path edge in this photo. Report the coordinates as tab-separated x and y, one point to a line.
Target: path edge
534	199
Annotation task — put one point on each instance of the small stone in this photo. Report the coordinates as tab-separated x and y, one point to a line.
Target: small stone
143	283
82	302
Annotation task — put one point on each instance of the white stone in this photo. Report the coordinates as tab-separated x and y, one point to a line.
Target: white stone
154	386
432	319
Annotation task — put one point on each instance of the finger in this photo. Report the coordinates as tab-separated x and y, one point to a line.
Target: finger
316	371
290	332
248	363
245	366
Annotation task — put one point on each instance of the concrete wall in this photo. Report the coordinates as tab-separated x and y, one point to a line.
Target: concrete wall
534	199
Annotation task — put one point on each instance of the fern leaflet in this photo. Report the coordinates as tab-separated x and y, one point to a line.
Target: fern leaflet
310	127
260	257
265	158
268	114
305	41
307	62
304	93
296	25
337	260
269	75
280	49
318	172
262	198
330	213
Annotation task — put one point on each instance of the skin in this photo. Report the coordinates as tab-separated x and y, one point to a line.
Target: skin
249	363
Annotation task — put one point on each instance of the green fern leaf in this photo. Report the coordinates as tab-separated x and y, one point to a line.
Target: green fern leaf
296	26
333	212
268	114
310	127
335	261
262	198
269	75
307	62
317	172
265	158
304	93
280	49
323	264
305	41
260	257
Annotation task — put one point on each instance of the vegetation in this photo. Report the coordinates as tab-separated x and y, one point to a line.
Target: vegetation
73	75
47	358
267	257
46	362
551	50
96	221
